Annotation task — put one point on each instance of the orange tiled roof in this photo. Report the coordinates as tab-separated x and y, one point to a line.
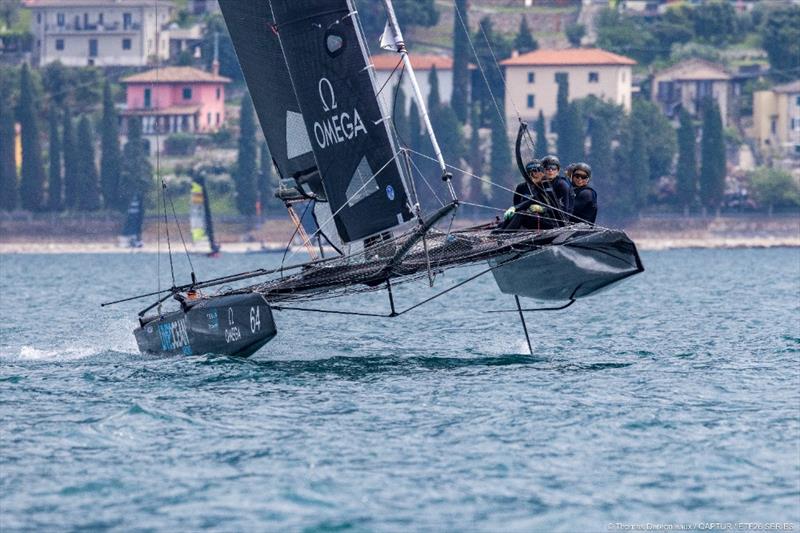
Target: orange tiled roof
175	75
569	56
418	61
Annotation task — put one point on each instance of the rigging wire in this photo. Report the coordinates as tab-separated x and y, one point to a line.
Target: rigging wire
483	74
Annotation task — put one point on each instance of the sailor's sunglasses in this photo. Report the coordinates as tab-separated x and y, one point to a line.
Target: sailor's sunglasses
551	167
580	176
535	169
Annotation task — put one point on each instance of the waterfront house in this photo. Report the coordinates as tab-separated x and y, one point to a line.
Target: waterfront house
532	80
776	120
101	33
686	84
173	100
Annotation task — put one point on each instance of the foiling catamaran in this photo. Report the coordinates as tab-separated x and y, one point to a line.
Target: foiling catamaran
310	76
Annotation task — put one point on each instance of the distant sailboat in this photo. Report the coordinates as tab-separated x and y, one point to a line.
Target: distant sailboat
202	226
131	236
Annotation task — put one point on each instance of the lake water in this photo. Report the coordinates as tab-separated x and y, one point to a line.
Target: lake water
673	398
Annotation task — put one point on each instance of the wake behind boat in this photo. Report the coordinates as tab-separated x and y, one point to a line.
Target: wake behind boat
309	72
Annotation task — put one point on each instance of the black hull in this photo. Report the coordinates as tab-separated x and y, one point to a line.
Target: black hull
578	262
227	325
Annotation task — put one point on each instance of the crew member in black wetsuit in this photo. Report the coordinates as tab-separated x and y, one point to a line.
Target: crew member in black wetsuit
562	188
530	209
585	206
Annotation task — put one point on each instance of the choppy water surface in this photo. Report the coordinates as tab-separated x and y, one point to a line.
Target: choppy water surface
673	398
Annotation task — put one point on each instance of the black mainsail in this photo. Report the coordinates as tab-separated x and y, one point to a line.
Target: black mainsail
258	48
325	62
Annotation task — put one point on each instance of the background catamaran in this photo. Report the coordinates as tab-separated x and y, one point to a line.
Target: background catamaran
200	222
308	69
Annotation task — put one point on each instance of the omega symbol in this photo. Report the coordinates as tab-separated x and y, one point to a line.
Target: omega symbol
322	95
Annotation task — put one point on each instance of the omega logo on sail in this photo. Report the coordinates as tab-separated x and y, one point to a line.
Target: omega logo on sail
338	127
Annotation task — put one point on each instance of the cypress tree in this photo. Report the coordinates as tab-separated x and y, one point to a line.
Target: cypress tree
245	171
135	171
500	160
687	161
399	116
89	199
72	185
560	118
500	48
461	53
110	153
600	154
414	128
450	135
572	148
617	188
524	41
712	154
31	187
638	165
55	201
434	99
475	153
266	187
9	194
541	148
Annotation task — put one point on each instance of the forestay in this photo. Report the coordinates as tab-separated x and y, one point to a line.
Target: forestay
334	84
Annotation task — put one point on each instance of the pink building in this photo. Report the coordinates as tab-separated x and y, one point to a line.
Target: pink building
175	100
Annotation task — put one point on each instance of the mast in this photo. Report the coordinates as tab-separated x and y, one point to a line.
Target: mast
209	223
401	49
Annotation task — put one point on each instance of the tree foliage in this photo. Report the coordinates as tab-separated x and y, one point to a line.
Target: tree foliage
31	186
775	188
659	137
450	135
136	173
245	173
781	40
409	13
524	41
267	180
575	33
475	153
399	117
110	155
414	127
434	98
9	193
686	172
541	148
601	157
71	180
488	45
228	63
89	199
500	160
461	55
55	185
712	156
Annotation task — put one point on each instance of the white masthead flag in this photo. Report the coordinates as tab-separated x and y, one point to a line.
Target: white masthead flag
389	40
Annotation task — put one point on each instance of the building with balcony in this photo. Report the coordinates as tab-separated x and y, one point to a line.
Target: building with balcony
776	120
175	100
532	80
100	33
686	84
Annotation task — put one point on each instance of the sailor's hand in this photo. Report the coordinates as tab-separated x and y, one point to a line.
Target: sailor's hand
536	208
509	213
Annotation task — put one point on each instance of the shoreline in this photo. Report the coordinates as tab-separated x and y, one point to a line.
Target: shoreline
644	243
